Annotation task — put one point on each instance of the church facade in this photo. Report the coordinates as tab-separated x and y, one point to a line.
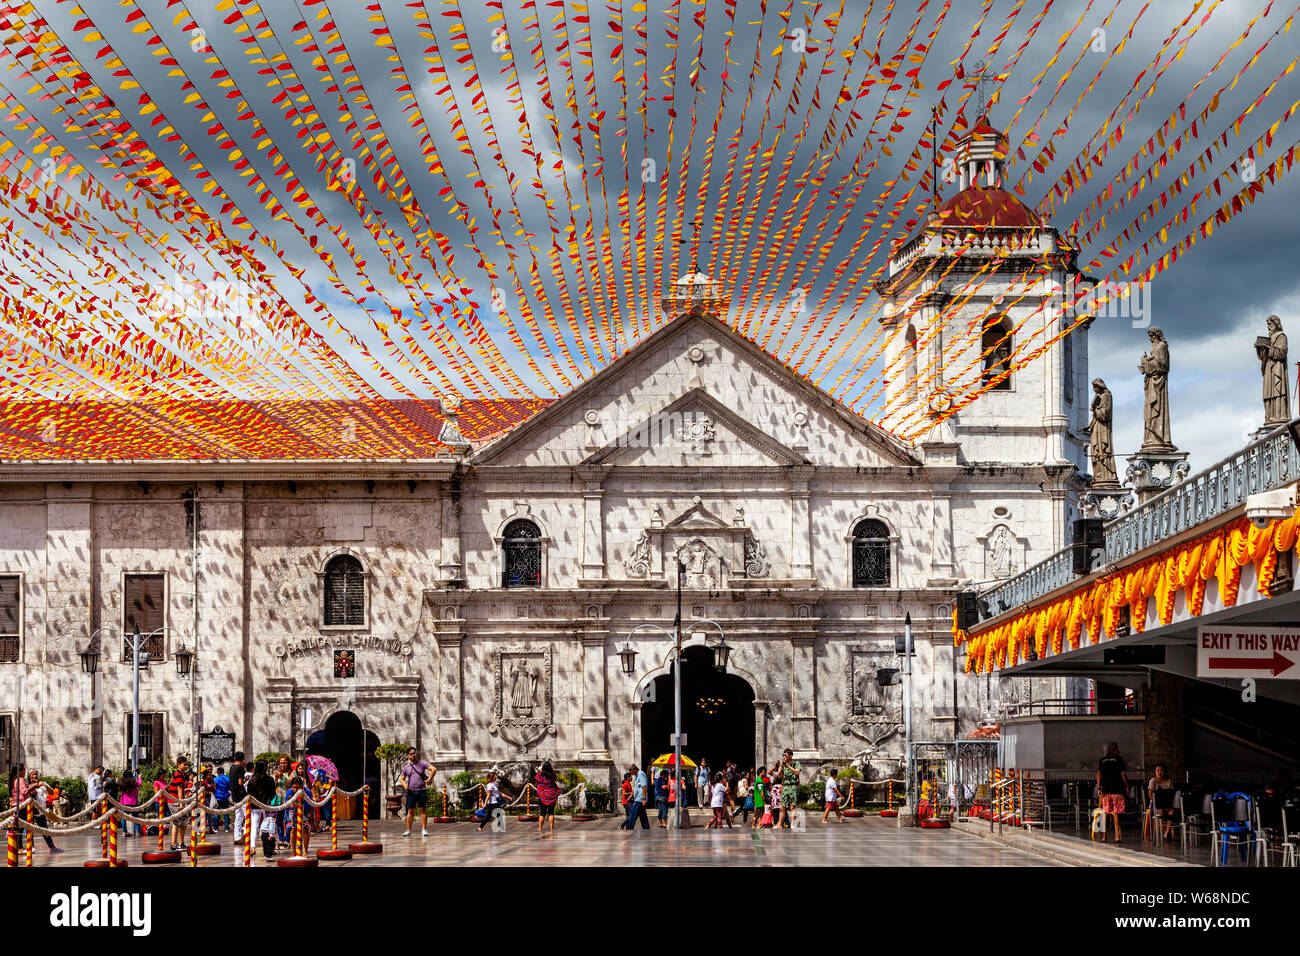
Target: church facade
475	603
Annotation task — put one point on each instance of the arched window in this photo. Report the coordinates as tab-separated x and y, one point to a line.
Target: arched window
995	346
870	555
345	592
1067	359
522	558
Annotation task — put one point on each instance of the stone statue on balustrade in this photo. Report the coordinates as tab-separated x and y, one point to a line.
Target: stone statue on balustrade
1101	447
1154	367
1271	350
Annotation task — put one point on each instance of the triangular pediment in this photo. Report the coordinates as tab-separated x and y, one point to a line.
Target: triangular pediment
695	428
761	412
697	518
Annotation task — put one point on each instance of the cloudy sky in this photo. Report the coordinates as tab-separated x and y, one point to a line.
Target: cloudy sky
1211	303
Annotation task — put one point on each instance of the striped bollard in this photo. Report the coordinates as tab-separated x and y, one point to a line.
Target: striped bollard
11	858
161	801
194	838
103	839
112	844
248	834
30	836
334	853
365	846
297	827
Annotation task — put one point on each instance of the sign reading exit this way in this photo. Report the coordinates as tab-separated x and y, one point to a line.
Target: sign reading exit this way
1261	652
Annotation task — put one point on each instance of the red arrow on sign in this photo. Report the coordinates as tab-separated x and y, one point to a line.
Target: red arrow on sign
1277	665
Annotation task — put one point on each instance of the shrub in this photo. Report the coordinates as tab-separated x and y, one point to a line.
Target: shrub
272	757
392	754
73	790
4	795
467	783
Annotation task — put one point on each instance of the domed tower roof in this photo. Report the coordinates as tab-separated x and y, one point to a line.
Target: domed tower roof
981	208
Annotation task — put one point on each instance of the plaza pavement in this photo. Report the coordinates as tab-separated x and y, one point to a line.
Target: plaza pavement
868	841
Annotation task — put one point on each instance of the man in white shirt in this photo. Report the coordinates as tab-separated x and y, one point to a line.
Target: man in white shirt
95	783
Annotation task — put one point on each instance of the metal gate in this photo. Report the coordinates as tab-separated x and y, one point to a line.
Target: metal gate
949	778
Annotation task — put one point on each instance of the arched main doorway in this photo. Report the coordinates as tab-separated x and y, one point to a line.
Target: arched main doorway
352	749
717	713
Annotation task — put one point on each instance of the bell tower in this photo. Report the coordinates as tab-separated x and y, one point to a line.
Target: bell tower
985	284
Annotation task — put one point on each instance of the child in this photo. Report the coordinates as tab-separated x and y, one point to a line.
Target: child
832	799
773	800
494	801
221	794
760	788
718	801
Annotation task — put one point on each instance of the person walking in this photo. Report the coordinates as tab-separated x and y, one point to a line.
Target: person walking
548	794
180	786
692	791
261	787
832	798
661	798
762	812
702	777
636	804
1112	785
718	800
130	799
35	788
95	784
221	796
744	793
415	776
625	792
789	769
494	800
238	779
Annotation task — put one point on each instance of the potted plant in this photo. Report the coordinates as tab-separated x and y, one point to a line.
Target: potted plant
392	754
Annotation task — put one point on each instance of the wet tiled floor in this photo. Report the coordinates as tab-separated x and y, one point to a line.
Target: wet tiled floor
868	841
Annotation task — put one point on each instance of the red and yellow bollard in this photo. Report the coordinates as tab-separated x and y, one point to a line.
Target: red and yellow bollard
194	838
248	834
11	858
112	843
365	846
889	810
333	852
30	836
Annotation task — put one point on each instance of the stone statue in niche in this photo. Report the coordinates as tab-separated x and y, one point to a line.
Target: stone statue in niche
1100	437
522	705
1002	560
523	687
701	566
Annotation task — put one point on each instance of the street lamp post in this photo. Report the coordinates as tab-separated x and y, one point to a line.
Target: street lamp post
721	653
907	708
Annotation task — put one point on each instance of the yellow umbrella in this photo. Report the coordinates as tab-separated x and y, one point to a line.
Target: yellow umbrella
668	760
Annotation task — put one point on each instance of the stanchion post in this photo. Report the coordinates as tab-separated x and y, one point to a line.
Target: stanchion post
365	810
297	836
161	800
30	836
248	833
112	839
11	858
334	819
194	837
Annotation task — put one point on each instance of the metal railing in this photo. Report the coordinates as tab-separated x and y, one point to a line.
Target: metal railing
1263	465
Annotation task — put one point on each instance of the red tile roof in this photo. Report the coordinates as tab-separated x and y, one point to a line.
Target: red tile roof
245	430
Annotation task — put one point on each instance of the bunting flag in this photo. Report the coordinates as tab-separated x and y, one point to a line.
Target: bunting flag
380	211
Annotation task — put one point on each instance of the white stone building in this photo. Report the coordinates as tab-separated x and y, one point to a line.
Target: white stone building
483	595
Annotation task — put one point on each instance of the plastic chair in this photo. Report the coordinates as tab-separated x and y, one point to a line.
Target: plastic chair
1233	821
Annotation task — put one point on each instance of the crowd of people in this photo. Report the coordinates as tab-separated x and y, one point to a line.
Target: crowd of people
769	794
220	788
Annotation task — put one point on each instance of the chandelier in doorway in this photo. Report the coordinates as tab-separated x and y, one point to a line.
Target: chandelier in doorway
711	705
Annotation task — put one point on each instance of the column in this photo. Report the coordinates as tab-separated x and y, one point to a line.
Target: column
594	710
277	722
593	523
1055	422
803	696
51	736
449	567
451	725
801	568
760	731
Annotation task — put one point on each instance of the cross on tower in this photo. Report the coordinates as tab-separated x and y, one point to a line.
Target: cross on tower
981	78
